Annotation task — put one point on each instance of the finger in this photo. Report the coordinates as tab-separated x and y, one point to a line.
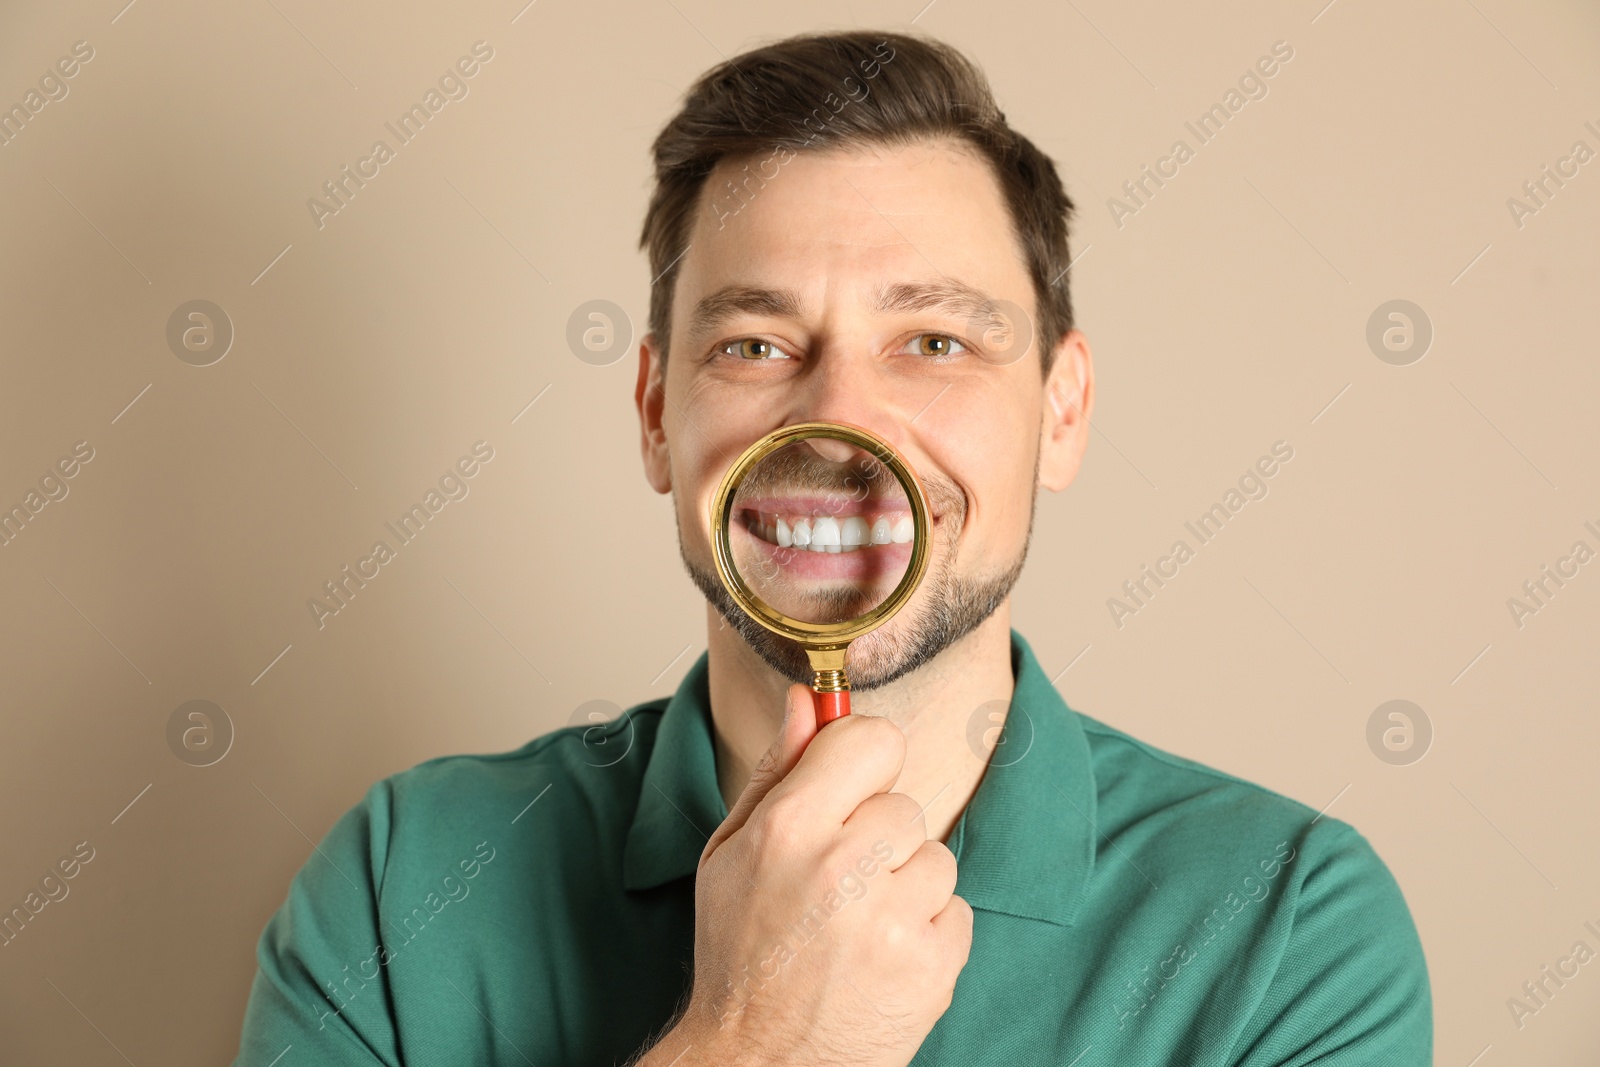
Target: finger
894	820
953	927
927	881
849	760
798	728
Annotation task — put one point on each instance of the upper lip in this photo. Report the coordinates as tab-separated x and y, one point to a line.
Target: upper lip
814	503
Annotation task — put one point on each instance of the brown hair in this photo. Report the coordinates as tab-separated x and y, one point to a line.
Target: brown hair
835	90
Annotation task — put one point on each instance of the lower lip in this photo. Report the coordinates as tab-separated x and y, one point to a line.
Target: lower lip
867	565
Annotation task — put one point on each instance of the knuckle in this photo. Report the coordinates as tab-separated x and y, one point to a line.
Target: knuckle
892	815
886	731
783	809
895	934
837	859
907	810
964	927
940	861
774	828
876	730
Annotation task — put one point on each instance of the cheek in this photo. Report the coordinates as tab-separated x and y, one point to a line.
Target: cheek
691	453
708	426
692	486
696	469
986	440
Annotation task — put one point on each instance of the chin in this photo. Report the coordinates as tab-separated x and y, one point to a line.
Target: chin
946	608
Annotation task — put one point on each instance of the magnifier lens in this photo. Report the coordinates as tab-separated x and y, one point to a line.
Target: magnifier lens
820	530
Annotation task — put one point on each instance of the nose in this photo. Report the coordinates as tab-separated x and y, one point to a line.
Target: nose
832	450
846	386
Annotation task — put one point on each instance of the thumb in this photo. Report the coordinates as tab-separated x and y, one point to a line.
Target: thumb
798	728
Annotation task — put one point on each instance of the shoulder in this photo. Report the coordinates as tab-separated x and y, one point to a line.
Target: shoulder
588	774
1328	924
1198	829
576	784
1138	782
573	790
622	744
396	864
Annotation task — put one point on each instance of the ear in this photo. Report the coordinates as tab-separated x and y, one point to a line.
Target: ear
1069	401
650	399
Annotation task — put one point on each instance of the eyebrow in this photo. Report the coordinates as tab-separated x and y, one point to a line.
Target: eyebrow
733	300
953	297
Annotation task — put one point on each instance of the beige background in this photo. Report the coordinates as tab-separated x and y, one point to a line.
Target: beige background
1227	314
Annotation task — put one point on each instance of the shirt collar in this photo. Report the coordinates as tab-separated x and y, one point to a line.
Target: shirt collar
680	803
1023	847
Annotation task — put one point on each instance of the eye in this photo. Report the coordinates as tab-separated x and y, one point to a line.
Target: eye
753	348
935	346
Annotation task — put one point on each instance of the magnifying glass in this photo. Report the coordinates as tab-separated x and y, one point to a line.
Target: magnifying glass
820	534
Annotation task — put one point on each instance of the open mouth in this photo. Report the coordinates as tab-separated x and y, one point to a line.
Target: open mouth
829	532
822	558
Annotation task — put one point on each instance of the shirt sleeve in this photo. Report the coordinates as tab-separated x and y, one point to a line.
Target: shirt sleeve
1351	985
321	987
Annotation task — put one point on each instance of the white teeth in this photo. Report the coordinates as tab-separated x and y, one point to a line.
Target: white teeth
828	533
825	534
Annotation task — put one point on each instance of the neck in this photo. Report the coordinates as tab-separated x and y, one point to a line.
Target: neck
933	705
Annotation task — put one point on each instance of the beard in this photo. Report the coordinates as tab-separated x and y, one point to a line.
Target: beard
949	605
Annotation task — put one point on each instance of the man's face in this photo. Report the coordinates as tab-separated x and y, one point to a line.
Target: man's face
861	286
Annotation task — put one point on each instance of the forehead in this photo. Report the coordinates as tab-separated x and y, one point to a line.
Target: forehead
836	226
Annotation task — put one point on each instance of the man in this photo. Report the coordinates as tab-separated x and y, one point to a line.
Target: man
844	228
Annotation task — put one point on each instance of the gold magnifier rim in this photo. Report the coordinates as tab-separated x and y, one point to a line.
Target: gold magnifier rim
819	635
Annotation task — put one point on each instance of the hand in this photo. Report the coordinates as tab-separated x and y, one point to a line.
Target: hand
827	930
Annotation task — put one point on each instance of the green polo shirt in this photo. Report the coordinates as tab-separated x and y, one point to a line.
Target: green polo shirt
1130	907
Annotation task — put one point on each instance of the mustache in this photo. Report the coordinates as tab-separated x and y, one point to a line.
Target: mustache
863	478
801	470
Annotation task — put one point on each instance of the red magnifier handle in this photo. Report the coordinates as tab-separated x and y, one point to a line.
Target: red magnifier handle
831	706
